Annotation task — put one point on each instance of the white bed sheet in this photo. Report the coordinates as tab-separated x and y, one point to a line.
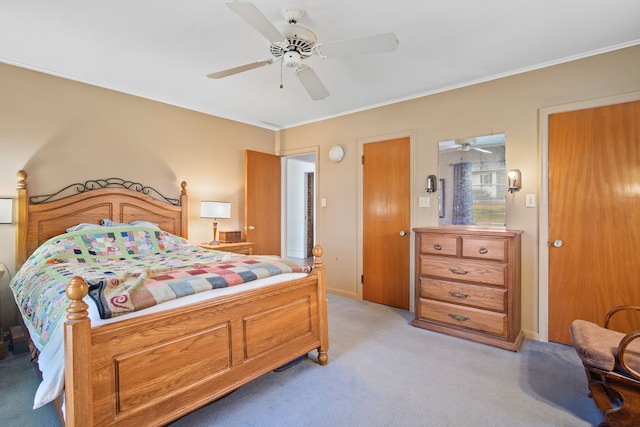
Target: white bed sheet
51	358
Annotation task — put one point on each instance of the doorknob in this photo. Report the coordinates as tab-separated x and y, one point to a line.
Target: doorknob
557	243
403	233
251	228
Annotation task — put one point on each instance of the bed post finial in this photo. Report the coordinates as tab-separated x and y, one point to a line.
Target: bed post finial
183	185
22	179
317	254
76	290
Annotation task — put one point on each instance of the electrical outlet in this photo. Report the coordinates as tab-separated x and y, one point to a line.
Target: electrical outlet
423	202
530	201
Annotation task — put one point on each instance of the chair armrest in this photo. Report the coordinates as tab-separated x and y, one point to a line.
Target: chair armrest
622	348
617	309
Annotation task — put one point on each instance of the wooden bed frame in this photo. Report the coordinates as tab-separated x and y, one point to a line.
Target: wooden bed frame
153	369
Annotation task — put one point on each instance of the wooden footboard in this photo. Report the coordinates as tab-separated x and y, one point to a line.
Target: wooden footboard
154	369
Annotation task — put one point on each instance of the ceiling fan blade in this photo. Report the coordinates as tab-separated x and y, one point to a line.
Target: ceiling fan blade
481	150
312	83
250	13
359	46
240	69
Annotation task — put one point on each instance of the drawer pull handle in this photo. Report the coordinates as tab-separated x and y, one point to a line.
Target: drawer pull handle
437	247
458	295
483	250
458	317
458	271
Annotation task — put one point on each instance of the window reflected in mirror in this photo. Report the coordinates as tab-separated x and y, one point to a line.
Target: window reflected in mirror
473	181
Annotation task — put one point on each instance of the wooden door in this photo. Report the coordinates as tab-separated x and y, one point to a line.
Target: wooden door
310	214
386	201
594	211
262	204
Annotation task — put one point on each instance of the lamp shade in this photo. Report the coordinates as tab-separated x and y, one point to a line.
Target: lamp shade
6	211
215	210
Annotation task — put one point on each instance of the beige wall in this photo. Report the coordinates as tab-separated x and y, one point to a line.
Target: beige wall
508	105
62	131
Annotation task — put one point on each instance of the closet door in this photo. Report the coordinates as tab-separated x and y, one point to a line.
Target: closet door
386	222
262	204
594	214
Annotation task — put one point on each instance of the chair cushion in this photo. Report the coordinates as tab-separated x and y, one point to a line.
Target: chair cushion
598	347
595	345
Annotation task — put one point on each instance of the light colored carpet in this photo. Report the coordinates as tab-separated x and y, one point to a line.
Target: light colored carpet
18	382
384	372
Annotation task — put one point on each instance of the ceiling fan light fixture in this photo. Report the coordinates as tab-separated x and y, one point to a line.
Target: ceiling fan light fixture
299	39
291	59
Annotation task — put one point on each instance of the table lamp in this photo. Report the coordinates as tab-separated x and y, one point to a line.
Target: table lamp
215	210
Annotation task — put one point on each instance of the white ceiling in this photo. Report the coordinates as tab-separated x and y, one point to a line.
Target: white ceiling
163	50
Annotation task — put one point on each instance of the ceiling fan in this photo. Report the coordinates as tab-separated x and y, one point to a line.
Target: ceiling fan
462	146
294	44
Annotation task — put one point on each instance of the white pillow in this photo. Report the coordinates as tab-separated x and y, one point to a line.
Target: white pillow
83	226
144	224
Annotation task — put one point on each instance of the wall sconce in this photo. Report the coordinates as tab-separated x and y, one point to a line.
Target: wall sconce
336	153
432	184
215	210
6	211
514	180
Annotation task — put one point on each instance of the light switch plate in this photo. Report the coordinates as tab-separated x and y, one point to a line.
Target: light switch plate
530	201
423	202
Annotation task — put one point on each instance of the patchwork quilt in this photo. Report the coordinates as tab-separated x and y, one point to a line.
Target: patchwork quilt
127	269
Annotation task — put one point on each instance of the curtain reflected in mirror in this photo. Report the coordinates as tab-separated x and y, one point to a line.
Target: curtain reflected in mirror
462	213
472	172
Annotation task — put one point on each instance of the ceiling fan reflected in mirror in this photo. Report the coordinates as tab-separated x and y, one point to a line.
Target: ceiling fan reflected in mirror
294	44
465	145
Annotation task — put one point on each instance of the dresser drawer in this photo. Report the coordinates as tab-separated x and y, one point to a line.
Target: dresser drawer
459	293
465	317
438	244
493	273
485	248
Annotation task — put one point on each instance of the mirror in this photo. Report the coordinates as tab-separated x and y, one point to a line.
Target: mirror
472	188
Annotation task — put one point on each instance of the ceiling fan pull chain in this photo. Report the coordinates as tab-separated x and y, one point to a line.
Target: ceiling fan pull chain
281	85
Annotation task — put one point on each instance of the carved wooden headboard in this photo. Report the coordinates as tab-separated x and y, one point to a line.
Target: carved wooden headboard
43	217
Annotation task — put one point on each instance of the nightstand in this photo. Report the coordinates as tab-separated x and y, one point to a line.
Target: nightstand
244	248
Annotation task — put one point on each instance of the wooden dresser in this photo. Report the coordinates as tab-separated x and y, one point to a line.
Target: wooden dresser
468	284
244	248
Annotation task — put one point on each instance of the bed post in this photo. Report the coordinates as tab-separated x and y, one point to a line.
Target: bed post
318	268
78	383
21	230
184	216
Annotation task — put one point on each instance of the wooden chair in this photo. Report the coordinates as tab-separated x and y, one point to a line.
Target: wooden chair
612	363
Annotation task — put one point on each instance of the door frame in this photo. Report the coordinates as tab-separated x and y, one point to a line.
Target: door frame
543	232
283	217
412	205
